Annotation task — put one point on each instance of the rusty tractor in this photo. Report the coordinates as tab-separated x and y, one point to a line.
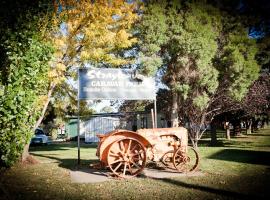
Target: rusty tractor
126	153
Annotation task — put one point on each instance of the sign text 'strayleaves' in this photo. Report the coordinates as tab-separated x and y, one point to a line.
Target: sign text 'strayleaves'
107	83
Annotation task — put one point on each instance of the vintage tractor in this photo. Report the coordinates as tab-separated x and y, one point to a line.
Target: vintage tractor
126	153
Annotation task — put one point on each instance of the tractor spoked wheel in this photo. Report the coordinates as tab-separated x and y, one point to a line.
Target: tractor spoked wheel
167	159
126	157
186	161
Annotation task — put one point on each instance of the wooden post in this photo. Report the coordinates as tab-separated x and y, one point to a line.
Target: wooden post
153	118
155	107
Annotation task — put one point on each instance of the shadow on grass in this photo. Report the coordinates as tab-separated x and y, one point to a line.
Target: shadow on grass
69	163
243	156
209	189
256	134
226	143
60	146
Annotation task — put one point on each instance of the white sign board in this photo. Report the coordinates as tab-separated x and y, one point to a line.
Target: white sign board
108	83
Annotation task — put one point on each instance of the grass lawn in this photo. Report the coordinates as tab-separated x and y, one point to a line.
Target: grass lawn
235	169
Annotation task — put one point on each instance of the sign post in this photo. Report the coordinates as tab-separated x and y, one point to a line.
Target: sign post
78	122
113	84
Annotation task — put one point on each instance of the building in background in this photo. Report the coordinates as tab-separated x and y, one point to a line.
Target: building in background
107	122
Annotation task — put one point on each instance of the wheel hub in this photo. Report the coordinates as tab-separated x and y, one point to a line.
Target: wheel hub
126	157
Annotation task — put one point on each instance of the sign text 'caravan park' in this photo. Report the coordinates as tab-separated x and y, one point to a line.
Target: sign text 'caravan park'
108	83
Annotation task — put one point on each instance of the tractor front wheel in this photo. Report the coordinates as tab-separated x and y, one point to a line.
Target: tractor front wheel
167	159
186	160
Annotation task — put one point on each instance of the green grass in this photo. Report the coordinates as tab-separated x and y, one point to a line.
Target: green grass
235	169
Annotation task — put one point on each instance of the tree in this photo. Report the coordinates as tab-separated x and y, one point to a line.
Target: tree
106	109
205	54
88	33
263	56
133	106
64	104
25	59
80	31
257	100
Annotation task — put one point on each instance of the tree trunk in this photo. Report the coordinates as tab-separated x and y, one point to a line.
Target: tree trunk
254	126
228	133
213	133
194	141
195	145
52	86
263	124
174	114
236	128
227	128
25	153
248	126
193	136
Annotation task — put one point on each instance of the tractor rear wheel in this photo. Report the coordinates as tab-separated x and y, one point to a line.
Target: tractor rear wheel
126	157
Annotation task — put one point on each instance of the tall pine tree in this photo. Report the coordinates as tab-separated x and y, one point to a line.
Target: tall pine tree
205	53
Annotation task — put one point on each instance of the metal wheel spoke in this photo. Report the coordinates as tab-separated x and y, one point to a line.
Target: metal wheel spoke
122	148
137	154
129	145
117	167
116	161
130	169
111	153
167	159
125	168
186	161
134	147
126	157
136	164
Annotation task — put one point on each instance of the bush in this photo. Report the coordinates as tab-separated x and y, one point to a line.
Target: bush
23	78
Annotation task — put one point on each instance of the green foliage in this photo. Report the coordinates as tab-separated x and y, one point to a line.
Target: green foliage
23	78
263	55
238	63
186	43
154	19
199	50
106	109
134	106
183	89
150	64
201	101
65	102
206	55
